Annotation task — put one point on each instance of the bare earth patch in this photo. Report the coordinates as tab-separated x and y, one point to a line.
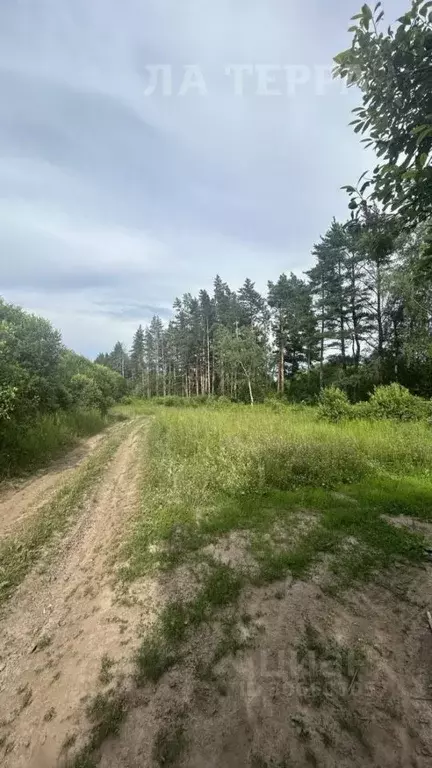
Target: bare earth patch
413	523
321	682
65	634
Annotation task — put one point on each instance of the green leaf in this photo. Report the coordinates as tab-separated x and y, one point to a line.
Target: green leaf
422	160
366	12
424	135
424	9
380	17
342	57
421	128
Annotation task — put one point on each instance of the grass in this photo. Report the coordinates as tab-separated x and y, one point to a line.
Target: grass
106	712
302	489
106	673
170	743
211	472
29	446
161	649
20	552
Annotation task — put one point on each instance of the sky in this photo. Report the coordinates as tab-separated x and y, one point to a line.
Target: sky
148	145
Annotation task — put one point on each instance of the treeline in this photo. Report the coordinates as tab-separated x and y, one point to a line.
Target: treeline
356	319
48	394
362	314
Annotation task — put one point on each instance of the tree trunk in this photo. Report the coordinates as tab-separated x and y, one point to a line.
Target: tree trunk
208	360
341	319
322	343
379	321
250	391
355	320
163	371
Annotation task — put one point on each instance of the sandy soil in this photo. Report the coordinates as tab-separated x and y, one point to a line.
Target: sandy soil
266	708
19	499
60	623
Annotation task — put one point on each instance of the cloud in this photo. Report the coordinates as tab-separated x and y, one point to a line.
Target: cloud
115	202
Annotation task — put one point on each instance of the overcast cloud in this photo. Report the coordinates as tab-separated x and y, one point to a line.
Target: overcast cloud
113	202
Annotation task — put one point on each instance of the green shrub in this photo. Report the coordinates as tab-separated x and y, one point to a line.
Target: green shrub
396	402
334	405
361	410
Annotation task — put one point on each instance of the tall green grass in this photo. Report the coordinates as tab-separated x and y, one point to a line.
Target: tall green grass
30	445
212	471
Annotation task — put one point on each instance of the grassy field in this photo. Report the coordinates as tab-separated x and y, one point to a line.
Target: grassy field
296	494
213	472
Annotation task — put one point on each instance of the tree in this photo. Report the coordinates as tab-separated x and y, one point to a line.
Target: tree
137	357
119	361
208	320
376	235
294	325
242	350
393	70
254	309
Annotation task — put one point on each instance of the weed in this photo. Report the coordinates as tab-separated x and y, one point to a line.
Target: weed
69	742
169	745
302	730
105	674
44	642
107	712
27	696
153	659
230	643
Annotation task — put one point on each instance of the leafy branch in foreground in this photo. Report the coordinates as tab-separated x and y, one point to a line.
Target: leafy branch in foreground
393	70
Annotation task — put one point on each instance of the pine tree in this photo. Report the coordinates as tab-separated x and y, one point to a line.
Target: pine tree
137	357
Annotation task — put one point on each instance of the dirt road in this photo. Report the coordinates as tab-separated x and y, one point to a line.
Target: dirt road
62	622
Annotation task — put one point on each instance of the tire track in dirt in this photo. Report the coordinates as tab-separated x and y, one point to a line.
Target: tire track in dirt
61	623
25	498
